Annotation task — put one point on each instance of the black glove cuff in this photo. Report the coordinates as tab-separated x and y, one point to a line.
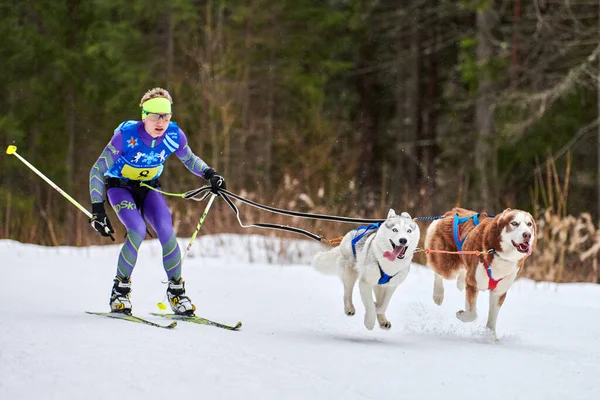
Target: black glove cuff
98	208
209	173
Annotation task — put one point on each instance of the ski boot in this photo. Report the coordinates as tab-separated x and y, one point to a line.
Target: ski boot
119	298
180	303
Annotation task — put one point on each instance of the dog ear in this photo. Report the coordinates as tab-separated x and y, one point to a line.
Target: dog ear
501	218
391	213
406	215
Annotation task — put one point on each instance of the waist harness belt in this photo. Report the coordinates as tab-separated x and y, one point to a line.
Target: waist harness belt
138	192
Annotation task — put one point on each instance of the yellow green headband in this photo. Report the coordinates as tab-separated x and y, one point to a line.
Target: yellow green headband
157	105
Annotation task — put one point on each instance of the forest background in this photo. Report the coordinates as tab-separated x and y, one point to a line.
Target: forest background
342	107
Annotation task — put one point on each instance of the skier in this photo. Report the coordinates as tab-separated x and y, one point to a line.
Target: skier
136	153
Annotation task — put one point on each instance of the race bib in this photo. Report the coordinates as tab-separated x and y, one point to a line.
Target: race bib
139	174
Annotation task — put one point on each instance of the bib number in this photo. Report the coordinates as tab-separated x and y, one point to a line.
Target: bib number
139	174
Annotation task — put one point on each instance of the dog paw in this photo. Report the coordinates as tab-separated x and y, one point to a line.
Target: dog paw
369	322
466	316
438	298
383	322
349	310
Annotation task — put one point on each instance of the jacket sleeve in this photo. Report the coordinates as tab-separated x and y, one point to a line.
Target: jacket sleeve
111	153
191	161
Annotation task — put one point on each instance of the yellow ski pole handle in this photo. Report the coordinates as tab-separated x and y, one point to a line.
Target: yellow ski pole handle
12	150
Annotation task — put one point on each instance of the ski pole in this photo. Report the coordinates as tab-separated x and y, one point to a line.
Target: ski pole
189	246
12	150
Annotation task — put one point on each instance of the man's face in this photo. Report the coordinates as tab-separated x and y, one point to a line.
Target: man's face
156	124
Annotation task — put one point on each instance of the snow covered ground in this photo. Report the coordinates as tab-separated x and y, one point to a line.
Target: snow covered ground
296	342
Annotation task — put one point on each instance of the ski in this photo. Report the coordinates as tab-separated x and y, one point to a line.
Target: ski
133	318
199	320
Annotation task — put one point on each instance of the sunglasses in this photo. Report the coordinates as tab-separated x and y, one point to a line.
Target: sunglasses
155	117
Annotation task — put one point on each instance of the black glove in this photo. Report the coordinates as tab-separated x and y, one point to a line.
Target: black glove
100	220
216	181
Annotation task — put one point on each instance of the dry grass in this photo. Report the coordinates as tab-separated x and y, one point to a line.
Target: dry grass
567	246
567	249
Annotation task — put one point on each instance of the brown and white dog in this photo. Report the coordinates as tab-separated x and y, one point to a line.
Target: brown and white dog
508	239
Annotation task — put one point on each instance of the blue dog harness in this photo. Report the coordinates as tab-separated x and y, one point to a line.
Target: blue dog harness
456	228
385	278
360	233
459	243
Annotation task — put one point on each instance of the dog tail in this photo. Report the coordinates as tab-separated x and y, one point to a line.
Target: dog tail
326	262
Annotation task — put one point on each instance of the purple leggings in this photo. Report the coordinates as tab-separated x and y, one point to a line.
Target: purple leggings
157	214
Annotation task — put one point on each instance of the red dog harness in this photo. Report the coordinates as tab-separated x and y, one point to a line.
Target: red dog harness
492	283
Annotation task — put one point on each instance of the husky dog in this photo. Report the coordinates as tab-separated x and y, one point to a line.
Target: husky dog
379	256
508	239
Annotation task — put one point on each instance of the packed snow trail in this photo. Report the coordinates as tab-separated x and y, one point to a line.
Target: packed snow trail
295	343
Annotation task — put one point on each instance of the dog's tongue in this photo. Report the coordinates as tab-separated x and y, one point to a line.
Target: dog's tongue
523	247
392	255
